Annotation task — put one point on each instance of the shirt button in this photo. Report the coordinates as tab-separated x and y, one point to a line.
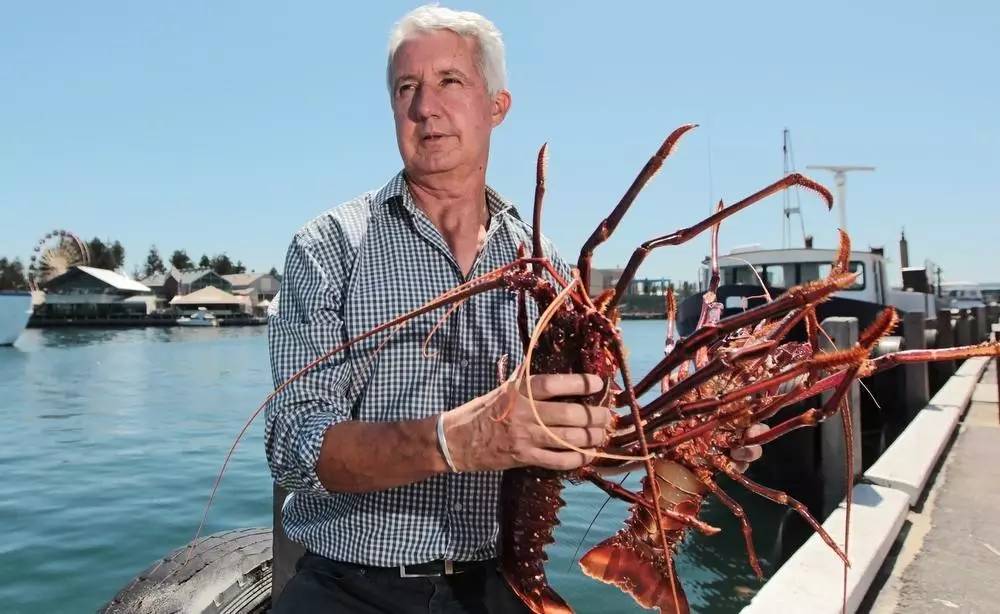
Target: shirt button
457	507
464	362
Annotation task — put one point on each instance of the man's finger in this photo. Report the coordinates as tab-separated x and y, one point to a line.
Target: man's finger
555	413
564	385
756	429
559	461
558	436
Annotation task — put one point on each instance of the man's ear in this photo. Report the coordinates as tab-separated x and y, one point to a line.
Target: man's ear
501	105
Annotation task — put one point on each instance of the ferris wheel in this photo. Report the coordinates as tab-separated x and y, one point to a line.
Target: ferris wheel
54	254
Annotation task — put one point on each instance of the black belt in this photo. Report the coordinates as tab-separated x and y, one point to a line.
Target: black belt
438	568
430	569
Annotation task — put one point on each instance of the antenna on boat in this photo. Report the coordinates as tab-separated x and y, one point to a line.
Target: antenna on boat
787	208
840	178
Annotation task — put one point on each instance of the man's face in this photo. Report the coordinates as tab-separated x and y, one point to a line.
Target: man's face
443	111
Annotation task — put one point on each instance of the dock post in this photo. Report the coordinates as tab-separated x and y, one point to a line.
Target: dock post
940	371
963	328
980	327
917	387
833	445
285	552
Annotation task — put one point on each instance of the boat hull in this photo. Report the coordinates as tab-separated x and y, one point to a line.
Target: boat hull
15	310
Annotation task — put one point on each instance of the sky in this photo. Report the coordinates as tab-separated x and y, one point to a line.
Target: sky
225	126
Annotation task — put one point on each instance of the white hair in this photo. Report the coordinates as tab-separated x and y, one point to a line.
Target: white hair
430	18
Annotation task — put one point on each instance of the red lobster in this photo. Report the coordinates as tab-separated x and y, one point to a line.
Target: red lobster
728	374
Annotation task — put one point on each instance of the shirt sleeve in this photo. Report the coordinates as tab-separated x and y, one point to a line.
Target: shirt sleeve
306	323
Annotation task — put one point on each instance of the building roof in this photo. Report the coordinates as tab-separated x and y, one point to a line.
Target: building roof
209	295
242	279
113	279
190	275
156	280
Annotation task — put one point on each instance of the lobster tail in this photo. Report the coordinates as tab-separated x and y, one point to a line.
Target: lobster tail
615	561
529	506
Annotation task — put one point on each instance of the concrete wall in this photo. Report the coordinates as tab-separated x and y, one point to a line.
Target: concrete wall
810	581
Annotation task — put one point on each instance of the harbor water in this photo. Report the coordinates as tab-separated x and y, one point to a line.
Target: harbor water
112	439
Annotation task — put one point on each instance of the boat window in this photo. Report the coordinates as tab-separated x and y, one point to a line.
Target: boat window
740	275
787	274
780	275
823	269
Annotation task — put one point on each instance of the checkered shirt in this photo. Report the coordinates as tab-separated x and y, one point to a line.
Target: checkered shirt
350	269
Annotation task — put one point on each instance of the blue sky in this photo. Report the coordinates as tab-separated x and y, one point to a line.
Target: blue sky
224	126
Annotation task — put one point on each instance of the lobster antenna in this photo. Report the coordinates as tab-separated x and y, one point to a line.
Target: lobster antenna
536	219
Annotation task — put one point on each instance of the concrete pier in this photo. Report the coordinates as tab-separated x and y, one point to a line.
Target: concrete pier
910	551
949	559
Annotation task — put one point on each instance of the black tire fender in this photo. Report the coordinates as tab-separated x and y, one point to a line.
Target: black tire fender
224	573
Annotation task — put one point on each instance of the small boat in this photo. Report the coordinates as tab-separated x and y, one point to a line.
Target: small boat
963	295
202	317
15	309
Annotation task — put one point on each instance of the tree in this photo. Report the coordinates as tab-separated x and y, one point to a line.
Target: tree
154	264
222	265
12	275
105	254
274	273
180	260
204	263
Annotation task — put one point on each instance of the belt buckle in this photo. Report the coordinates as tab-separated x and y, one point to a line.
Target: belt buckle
449	570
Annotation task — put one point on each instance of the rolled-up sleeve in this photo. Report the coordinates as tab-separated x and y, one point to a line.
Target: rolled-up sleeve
305	323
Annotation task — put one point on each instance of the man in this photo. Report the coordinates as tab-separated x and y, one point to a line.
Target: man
395	516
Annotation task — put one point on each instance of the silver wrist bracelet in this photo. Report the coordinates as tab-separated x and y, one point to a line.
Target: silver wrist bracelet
443	444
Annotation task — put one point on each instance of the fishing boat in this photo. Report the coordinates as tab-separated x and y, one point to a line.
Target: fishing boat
202	317
15	309
750	275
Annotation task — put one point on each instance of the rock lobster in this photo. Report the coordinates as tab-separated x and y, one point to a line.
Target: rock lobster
727	375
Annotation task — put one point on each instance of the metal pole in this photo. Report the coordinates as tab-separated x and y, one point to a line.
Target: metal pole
840	178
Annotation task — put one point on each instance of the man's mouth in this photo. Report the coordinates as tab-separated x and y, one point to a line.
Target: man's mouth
433	137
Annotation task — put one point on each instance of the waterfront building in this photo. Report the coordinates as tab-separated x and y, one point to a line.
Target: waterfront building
260	288
216	301
603	279
87	292
178	283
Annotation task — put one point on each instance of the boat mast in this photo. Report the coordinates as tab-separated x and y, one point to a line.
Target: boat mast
840	178
788	166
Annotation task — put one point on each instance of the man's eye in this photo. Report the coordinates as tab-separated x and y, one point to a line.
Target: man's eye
450	81
405	88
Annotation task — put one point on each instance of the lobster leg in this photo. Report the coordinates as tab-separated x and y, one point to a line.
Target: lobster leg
686	234
617	491
779	497
718	365
741	515
801	296
889	361
610	223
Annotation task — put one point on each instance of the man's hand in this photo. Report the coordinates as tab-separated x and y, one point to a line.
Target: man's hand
742	457
479	441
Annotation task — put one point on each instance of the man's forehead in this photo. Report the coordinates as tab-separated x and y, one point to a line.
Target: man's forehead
436	52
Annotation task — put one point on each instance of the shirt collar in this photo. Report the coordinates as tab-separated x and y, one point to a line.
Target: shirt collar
396	188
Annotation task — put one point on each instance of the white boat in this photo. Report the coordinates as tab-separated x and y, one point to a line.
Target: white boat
744	272
963	295
202	317
15	309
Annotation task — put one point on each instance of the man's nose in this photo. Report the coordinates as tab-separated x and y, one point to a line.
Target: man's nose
425	104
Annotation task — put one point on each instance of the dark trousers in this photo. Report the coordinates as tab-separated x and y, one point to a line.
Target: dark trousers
321	585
